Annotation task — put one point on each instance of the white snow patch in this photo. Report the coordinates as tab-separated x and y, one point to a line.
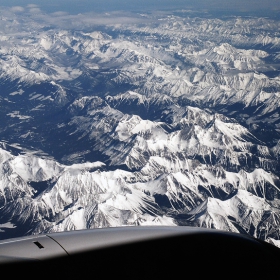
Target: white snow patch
19	92
7	225
16	114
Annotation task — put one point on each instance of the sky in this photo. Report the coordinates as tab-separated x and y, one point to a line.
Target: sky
82	6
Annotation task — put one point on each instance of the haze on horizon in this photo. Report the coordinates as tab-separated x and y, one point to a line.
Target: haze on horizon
82	6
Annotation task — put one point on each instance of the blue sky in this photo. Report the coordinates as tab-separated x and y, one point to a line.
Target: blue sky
81	6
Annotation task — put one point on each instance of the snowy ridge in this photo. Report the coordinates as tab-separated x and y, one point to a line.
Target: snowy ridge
223	215
80	198
228	58
217	72
193	133
77	198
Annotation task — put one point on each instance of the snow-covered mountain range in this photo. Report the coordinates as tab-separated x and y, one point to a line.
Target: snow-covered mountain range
166	120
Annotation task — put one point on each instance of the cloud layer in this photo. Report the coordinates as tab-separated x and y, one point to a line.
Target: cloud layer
82	6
